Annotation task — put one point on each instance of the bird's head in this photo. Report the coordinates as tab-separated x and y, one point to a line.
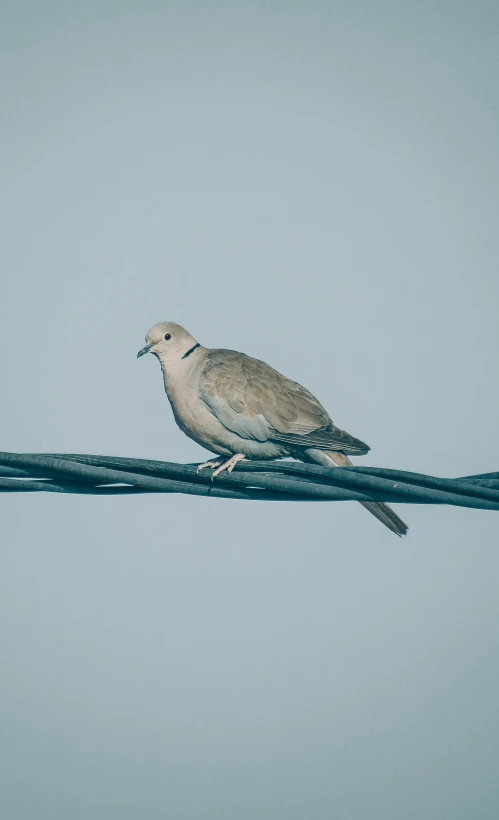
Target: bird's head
168	342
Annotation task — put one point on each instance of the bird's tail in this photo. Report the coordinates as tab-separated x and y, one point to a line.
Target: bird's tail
386	515
379	509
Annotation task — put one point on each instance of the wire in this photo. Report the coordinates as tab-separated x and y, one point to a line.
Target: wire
251	480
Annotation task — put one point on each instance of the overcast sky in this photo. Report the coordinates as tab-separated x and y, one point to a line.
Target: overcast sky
315	184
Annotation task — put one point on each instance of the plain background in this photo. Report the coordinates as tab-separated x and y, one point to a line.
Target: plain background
315	184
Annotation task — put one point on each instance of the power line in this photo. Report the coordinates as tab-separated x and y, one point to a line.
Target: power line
251	480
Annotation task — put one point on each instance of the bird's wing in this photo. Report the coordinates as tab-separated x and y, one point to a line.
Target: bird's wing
255	401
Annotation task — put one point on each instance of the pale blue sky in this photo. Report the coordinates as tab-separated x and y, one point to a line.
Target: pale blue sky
317	185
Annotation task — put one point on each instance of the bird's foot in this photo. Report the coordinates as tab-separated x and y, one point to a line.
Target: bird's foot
221	464
229	465
217	463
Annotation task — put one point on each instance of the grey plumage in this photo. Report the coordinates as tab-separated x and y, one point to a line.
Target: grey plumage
255	401
238	406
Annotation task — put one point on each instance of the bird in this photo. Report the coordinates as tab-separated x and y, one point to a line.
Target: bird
241	408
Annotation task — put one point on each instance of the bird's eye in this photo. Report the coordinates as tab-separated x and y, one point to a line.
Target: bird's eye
167	337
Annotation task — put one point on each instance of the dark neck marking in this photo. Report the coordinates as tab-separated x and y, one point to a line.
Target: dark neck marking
191	350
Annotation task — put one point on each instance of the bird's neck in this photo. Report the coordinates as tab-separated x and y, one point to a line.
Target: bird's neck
179	371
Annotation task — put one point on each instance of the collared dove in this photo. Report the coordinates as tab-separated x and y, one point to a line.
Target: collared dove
242	408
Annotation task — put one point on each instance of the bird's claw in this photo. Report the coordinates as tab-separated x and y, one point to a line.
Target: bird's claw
208	464
221	465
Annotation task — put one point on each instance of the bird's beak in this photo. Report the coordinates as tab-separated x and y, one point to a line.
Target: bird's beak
144	350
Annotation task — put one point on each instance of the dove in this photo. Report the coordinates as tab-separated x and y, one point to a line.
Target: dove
241	408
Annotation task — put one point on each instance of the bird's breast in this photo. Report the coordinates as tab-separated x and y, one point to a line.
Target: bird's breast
191	413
